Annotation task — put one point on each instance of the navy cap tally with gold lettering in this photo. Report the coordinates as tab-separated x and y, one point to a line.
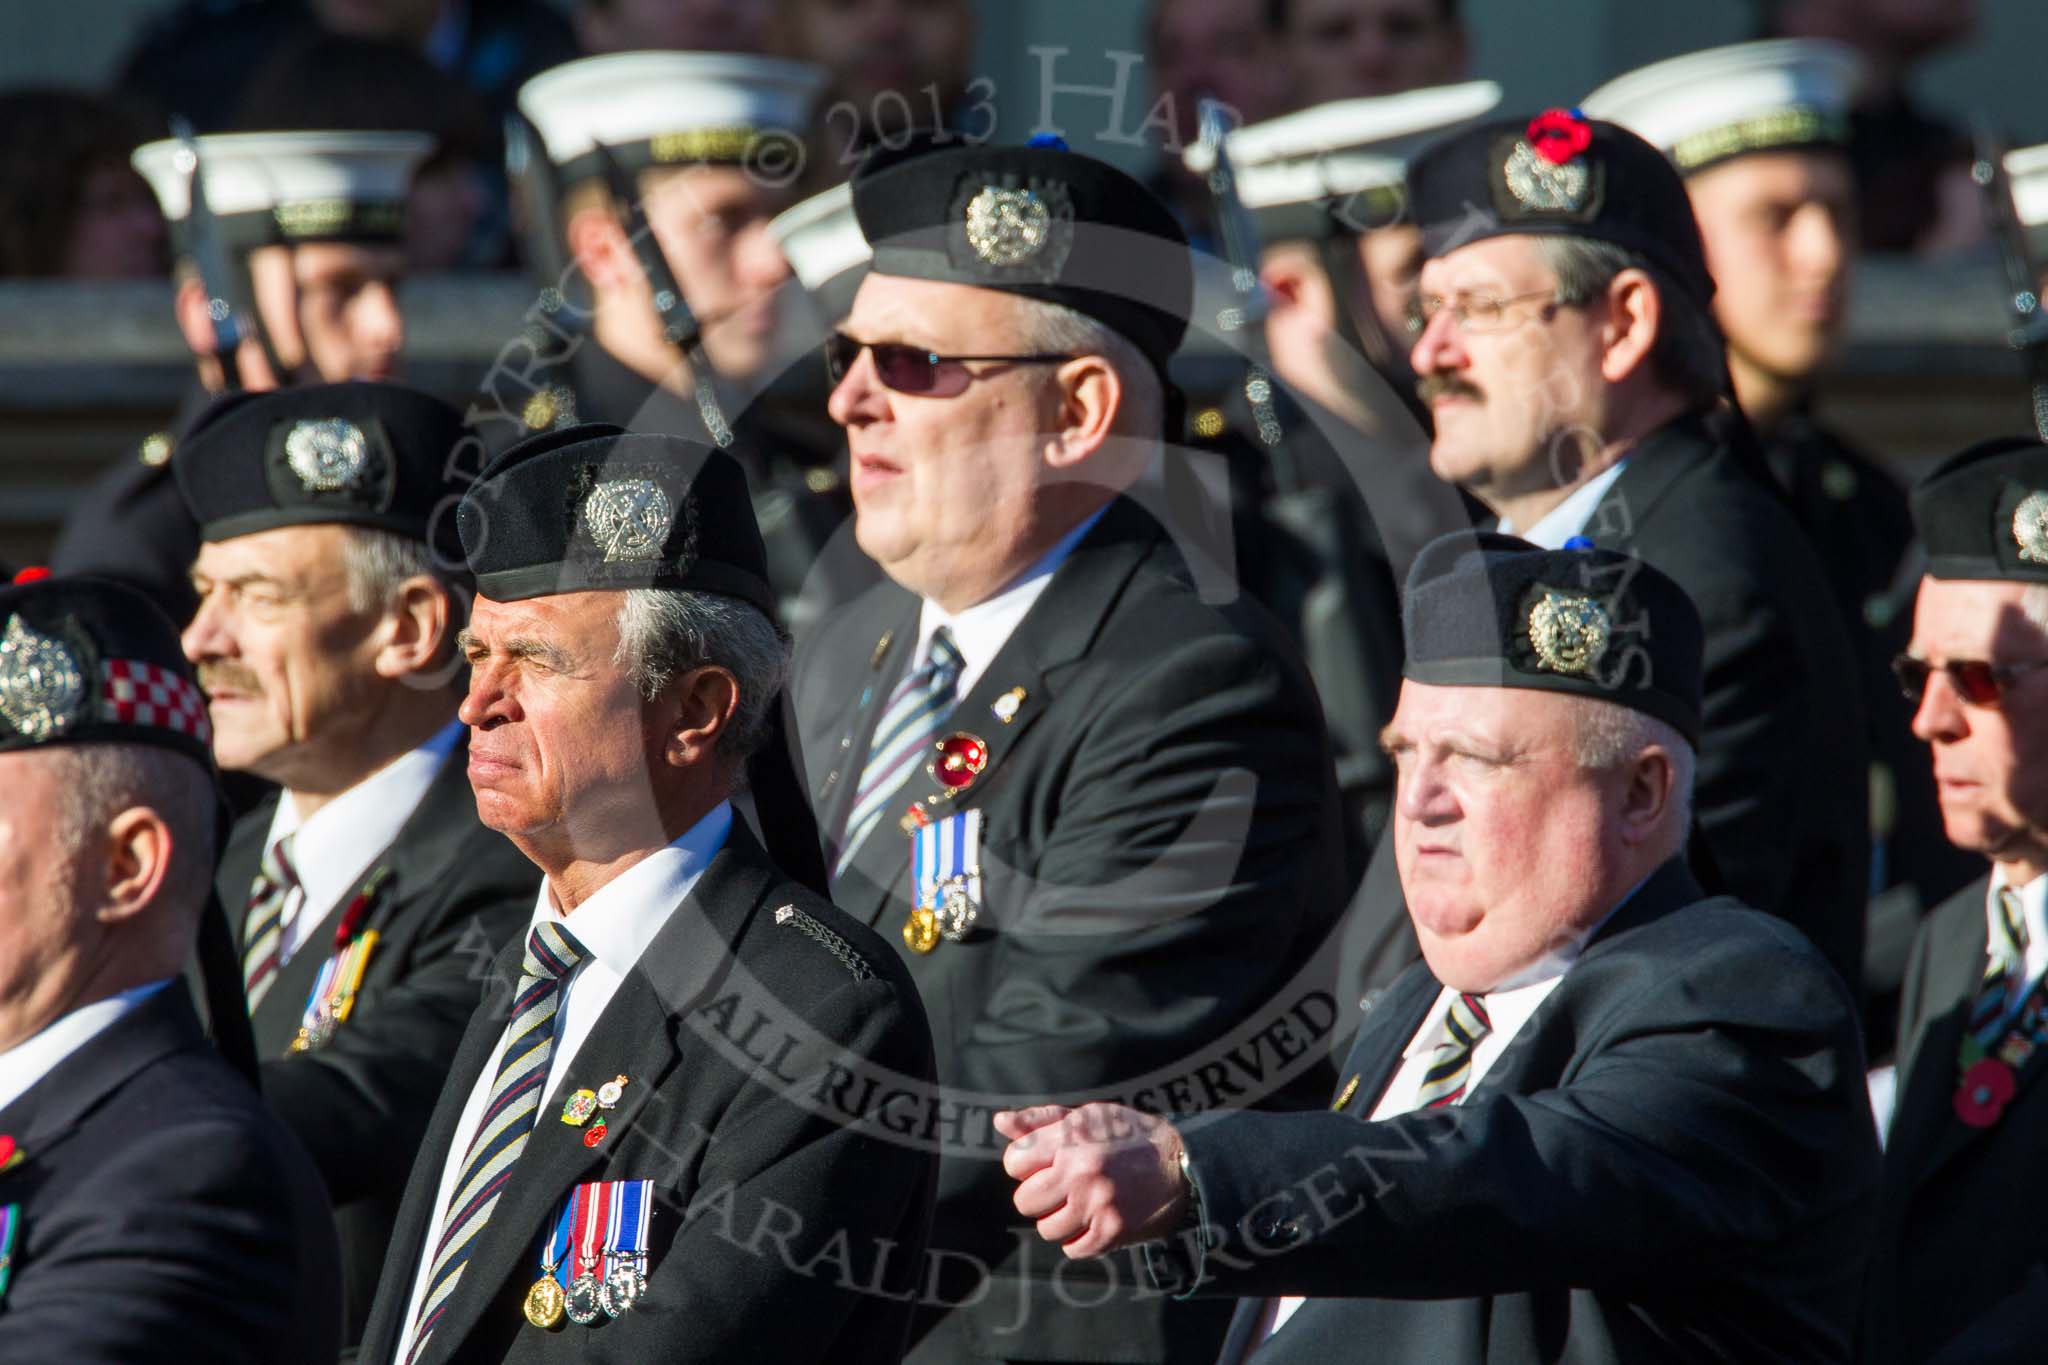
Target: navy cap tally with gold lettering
87	660
596	508
674	108
1984	513
1783	94
1489	610
1338	168
1558	174
1041	221
287	188
357	454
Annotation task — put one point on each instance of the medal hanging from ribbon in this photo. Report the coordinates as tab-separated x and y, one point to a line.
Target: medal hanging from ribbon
549	1296
945	878
625	1275
1990	1059
590	1225
341	976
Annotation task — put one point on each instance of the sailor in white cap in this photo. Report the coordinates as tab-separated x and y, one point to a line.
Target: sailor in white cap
2027	170
1759	132
822	241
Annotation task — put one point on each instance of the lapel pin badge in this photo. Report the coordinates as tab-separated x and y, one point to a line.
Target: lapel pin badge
959	760
579	1107
594	1134
611	1091
11	1154
1005	707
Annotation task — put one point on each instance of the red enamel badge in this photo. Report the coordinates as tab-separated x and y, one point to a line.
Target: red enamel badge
961	759
10	1152
1985	1090
1558	135
594	1134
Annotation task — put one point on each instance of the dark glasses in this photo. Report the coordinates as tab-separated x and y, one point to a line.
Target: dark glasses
1976	681
911	369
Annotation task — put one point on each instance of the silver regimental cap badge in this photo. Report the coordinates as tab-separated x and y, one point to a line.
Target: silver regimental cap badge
1008	227
41	686
1538	184
628	518
1569	632
2030	527
328	455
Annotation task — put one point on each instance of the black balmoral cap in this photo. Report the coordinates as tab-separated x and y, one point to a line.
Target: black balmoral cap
1984	514
1559	174
90	661
594	508
357	454
1488	610
1041	221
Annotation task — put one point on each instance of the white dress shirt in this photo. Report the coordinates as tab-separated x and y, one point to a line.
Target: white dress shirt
614	926
981	631
332	848
1569	517
28	1061
2034	911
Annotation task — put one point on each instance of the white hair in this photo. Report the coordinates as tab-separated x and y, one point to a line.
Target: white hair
665	634
1054	328
102	780
377	563
1610	735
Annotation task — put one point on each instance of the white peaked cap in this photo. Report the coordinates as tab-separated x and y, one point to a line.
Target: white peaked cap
820	237
1343	147
629	98
1749	97
276	173
2027	168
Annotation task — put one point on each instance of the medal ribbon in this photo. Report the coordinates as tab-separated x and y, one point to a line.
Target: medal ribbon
2012	1043
554	1252
632	1211
341	976
593	1222
10	1232
942	851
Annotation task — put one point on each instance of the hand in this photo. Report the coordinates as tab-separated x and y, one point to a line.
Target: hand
1097	1178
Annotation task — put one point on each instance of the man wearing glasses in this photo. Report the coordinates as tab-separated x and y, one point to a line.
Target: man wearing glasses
1091	802
1955	1275
1567	352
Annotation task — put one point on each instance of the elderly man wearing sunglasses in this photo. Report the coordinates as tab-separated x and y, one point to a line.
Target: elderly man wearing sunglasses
1093	805
1954	1276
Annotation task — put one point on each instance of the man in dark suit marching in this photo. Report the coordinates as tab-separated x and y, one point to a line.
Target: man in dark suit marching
644	1150
366	898
1607	1118
1960	1267
1091	800
150	1209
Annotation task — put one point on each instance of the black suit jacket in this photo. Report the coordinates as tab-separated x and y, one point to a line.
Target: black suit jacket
1959	1270
164	1215
1160	861
456	894
790	1219
1673	1160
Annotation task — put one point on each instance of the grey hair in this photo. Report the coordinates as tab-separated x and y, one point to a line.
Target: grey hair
1611	734
663	635
377	562
105	779
1689	355
1055	328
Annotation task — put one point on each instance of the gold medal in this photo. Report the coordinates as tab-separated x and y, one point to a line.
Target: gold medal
921	930
545	1303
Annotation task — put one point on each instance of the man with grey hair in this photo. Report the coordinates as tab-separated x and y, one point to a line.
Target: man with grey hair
1606	1117
644	1151
365	896
150	1209
1574	372
1091	800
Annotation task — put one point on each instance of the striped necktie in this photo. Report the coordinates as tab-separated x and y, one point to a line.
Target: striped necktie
902	736
263	921
2005	965
1450	1066
552	952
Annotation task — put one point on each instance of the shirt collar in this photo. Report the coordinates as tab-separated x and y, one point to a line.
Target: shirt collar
980	631
332	846
27	1062
617	923
1569	517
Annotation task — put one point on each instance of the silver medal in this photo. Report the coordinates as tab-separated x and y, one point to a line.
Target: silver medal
586	1299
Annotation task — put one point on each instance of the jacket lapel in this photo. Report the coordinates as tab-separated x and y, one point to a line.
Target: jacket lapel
1376	1055
836	772
1653	468
164	1023
239	862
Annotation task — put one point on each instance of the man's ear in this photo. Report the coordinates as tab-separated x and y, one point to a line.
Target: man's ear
420	621
138	859
598	245
1635	319
703	705
1091	397
188	303
1651	792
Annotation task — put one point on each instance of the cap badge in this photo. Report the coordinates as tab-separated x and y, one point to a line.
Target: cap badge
2030	527
629	518
1569	632
1008	227
327	455
41	686
1544	171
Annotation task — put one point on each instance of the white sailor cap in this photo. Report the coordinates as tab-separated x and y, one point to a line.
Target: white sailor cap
2027	168
821	237
268	188
1338	167
1705	107
671	108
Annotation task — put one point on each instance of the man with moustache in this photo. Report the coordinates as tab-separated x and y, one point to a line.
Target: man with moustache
1608	1118
1090	799
1959	1271
366	898
1575	375
681	1002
